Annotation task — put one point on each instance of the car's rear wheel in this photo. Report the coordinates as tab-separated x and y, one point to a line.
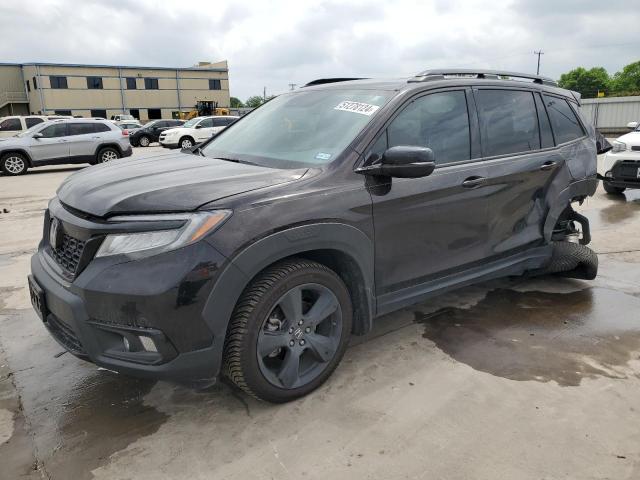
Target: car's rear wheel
288	331
14	164
108	154
611	190
144	141
186	142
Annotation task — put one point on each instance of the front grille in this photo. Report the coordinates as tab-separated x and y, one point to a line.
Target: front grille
69	253
65	335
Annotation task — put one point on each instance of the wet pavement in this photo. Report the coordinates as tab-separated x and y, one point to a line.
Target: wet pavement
517	378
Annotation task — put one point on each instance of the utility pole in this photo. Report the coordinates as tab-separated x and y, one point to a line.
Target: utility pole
264	94
292	86
538	53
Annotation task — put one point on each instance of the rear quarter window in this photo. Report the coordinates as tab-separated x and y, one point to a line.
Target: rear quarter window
101	127
565	124
508	121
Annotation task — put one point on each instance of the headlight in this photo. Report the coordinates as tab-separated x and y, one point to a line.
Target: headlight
618	146
144	244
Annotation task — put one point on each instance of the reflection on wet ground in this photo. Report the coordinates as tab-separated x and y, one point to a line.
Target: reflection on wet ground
99	415
541	336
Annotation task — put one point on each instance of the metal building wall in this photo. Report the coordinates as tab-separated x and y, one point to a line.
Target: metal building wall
611	115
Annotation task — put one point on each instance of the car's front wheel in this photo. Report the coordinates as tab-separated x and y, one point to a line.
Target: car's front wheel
186	142
144	141
288	331
108	154
611	190
14	164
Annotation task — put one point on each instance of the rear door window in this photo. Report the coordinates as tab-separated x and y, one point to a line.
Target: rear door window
11	125
31	121
81	128
508	121
439	121
566	126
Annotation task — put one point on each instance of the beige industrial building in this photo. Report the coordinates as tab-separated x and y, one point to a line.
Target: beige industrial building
103	90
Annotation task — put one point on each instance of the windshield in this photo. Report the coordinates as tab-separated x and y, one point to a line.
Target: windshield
191	123
299	129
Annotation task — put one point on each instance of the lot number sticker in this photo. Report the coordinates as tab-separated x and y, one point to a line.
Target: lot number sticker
357	107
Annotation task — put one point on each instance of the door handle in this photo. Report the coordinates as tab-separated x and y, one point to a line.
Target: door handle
548	165
473	182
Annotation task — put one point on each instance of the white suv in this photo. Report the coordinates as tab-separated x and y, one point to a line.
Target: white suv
14	124
621	165
195	131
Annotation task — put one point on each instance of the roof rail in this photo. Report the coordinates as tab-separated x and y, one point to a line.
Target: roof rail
428	75
322	81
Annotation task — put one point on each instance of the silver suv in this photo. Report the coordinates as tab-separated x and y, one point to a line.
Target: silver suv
57	142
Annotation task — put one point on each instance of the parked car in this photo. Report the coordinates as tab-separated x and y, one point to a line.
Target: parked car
121	117
130	126
56	142
621	165
151	131
14	124
195	131
309	217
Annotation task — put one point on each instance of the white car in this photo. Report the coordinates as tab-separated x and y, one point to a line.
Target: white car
195	131
15	124
621	165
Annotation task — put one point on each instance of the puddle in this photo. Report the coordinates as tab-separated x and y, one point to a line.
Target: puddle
101	415
541	336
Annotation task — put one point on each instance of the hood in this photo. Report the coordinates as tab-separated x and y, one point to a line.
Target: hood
631	138
168	183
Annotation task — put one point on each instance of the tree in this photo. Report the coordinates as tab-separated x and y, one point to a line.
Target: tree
254	102
628	80
236	103
587	82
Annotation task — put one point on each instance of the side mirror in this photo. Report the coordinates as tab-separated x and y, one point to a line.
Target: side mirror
632	125
403	162
37	135
198	126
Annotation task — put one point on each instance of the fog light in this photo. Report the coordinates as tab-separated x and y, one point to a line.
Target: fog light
126	343
148	344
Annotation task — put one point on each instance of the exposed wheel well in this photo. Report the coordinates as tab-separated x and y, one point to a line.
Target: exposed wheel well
350	273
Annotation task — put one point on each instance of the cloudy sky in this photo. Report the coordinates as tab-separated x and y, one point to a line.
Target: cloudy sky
271	43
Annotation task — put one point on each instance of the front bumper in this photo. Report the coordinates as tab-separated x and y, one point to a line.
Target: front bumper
158	300
624	173
169	142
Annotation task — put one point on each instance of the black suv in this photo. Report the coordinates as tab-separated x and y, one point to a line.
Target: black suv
151	131
306	219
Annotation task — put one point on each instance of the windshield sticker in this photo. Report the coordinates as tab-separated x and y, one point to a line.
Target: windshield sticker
357	107
323	156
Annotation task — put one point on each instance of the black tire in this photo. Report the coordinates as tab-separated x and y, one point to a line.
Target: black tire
186	142
253	314
107	154
611	190
14	164
573	260
144	141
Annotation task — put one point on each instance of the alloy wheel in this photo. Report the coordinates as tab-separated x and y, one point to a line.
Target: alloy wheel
144	141
186	143
108	156
14	165
300	336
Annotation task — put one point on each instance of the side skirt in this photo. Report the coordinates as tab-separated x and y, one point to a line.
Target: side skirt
531	259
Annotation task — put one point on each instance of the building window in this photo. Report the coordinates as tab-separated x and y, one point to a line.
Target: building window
151	84
131	83
58	82
63	112
94	83
35	84
214	84
28	86
135	113
154	113
99	113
